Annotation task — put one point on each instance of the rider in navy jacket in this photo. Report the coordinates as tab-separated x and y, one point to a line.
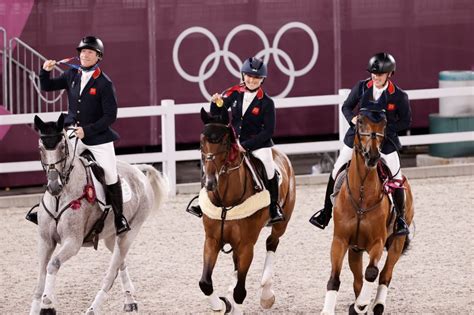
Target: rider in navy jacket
395	103
378	93
254	128
92	110
95	109
253	119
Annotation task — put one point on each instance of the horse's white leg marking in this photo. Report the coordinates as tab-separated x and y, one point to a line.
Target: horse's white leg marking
233	282
268	268
100	298
267	296
48	299
329	303
363	300
127	285
69	248
236	308
120	248
381	296
215	302
45	250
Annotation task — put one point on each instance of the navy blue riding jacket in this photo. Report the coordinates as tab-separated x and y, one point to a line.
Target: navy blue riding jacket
255	127
94	110
396	104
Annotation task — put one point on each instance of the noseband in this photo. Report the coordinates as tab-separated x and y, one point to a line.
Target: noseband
47	167
364	149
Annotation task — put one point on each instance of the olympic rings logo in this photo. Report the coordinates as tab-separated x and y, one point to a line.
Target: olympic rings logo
227	55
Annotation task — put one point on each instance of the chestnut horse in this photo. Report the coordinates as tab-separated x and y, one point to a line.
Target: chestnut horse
228	183
363	222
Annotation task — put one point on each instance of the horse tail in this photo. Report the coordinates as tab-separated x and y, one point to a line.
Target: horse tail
159	183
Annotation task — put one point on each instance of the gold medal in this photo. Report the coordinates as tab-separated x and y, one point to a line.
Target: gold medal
219	102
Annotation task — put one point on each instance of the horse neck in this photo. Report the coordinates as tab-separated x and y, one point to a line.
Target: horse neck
360	175
236	186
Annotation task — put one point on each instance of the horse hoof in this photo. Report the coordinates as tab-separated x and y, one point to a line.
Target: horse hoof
267	303
228	305
352	310
378	309
48	311
132	307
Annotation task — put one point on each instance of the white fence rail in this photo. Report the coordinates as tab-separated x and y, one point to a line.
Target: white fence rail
168	110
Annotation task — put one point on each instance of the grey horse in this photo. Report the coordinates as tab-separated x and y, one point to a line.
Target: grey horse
66	216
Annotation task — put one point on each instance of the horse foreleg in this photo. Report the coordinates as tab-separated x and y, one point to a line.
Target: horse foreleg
69	248
45	250
355	263
371	273
393	255
338	251
211	250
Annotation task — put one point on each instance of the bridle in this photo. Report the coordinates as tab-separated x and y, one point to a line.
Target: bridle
65	173
365	149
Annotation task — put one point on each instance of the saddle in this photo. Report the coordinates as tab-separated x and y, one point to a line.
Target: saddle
385	176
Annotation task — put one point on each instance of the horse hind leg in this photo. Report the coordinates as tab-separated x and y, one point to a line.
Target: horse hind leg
394	253
128	288
119	247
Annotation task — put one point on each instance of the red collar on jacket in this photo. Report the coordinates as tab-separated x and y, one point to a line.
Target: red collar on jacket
390	88
96	73
240	88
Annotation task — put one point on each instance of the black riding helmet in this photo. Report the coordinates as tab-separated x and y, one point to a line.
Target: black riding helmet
382	63
254	67
91	42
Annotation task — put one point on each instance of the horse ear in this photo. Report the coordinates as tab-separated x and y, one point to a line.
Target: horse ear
39	124
225	117
60	122
205	116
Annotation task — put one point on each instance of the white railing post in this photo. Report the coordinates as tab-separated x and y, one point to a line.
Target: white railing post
343	125
168	143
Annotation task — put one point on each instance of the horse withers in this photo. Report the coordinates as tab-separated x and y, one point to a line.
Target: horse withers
69	211
363	221
240	212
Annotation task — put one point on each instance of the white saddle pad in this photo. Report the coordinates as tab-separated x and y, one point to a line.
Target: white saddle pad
100	191
251	205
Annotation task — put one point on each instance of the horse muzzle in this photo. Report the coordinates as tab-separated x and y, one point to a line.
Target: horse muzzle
55	184
371	160
210	183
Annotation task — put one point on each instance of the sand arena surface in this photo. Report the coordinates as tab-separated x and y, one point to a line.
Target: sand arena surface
165	262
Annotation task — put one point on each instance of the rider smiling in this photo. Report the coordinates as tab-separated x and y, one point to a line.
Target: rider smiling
92	110
253	119
377	92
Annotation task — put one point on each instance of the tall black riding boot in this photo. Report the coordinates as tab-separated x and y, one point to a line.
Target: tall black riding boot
115	199
401	226
322	217
275	213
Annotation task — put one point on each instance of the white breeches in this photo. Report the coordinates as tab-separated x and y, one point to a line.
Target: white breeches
391	160
265	155
105	157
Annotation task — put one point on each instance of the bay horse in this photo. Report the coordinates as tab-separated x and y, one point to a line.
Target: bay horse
228	183
363	221
68	213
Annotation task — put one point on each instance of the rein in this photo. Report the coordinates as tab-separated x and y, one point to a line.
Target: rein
357	205
225	169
